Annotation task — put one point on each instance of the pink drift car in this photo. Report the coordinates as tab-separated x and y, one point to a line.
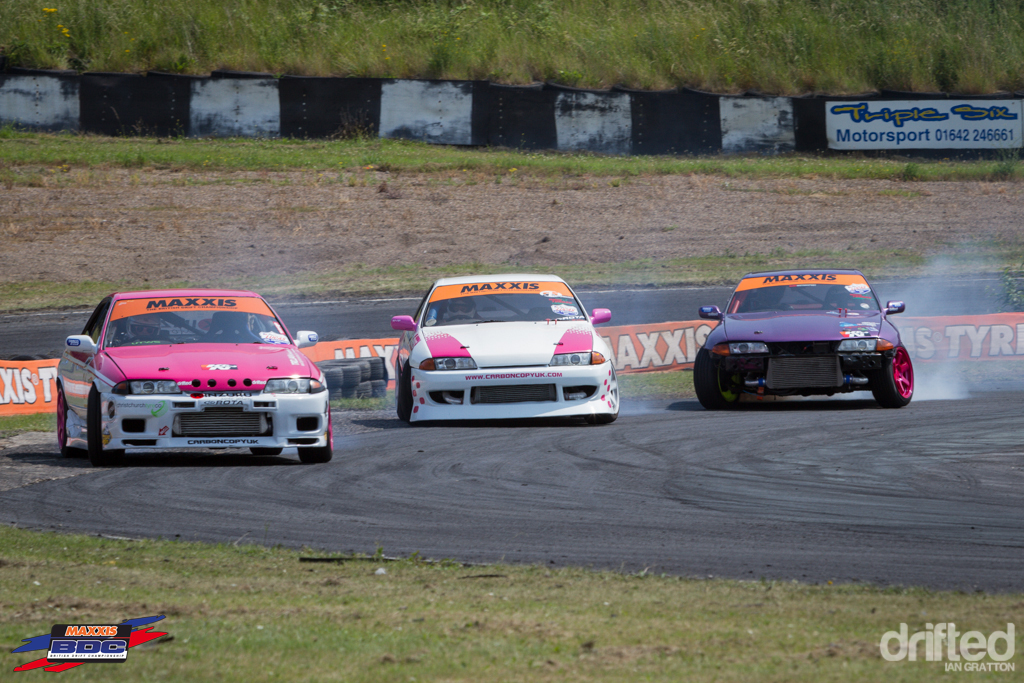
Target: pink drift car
189	368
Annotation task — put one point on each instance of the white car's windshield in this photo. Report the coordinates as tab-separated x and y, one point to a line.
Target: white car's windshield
450	305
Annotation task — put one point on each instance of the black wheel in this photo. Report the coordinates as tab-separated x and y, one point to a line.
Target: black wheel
602	419
62	429
97	455
893	385
319	454
403	394
266	451
714	390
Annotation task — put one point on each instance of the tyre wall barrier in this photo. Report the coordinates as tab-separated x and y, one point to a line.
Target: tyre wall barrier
30	386
540	116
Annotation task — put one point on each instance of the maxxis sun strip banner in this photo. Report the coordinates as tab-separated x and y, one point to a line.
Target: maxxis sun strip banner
30	386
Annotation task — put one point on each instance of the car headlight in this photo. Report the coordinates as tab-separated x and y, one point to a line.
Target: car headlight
147	386
586	358
293	385
448	364
858	345
740	348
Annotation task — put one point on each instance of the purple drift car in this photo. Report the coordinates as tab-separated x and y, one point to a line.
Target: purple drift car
803	332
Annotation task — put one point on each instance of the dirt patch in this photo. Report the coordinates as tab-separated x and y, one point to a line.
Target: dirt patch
161	226
33	457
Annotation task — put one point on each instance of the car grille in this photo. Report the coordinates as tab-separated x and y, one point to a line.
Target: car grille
222	422
806	372
514	393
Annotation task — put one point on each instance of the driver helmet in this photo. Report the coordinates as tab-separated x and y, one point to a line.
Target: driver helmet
144	326
461	309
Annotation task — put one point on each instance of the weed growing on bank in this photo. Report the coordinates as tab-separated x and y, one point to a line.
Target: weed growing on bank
775	46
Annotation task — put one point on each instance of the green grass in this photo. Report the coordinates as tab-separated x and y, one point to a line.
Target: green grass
16	424
382	403
656	385
776	46
72	160
250	613
359	279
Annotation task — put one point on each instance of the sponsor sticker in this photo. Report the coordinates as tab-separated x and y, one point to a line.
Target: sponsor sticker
858	330
219	366
158	408
562	309
70	645
74	342
545	289
273	338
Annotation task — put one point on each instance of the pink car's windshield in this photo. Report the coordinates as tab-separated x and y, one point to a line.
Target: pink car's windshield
139	322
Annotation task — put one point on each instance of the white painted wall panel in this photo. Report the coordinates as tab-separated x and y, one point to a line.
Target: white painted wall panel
597	122
40	102
242	107
754	124
437	112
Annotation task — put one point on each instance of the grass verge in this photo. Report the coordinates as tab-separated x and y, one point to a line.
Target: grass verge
11	425
66	159
244	613
776	46
359	280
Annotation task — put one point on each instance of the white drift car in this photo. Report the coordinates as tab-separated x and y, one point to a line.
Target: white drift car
504	346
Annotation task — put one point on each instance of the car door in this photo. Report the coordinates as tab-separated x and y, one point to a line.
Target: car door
76	368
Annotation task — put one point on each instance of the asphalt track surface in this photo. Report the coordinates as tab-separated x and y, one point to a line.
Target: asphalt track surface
808	490
812	490
43	333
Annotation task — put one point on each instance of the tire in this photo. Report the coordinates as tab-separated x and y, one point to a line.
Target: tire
893	385
62	429
335	379
266	451
320	454
403	394
93	421
707	381
364	368
377	369
379	388
364	389
351	376
602	419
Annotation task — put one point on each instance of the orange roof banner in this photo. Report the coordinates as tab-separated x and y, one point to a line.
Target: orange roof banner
184	304
800	279
549	289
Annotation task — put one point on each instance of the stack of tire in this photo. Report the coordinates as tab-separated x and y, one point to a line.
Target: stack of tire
355	377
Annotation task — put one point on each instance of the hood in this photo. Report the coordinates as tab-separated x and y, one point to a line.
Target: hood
185	363
508	344
788	326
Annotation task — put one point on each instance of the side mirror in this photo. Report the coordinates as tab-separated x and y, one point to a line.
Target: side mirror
600	315
81	343
306	338
710	313
403	323
894	307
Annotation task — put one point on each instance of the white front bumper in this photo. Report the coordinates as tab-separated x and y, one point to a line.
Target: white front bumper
162	427
604	400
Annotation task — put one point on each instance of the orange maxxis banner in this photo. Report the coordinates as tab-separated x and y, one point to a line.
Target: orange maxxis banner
243	304
29	386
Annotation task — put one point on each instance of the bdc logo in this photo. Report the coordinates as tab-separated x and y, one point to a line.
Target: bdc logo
108	643
69	645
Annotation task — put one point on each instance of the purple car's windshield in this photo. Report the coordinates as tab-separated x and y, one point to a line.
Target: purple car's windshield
804	297
199	320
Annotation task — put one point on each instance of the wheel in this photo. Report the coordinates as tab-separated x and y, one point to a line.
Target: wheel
403	394
602	418
318	454
266	451
714	390
97	455
62	429
893	385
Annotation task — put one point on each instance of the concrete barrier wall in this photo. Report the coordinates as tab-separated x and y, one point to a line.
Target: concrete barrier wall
541	116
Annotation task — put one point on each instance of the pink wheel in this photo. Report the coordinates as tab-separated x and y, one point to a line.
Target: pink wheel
903	373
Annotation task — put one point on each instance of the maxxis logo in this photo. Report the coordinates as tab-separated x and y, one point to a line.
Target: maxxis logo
71	645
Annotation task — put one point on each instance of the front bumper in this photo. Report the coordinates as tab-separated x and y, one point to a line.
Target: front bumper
242	420
571	391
